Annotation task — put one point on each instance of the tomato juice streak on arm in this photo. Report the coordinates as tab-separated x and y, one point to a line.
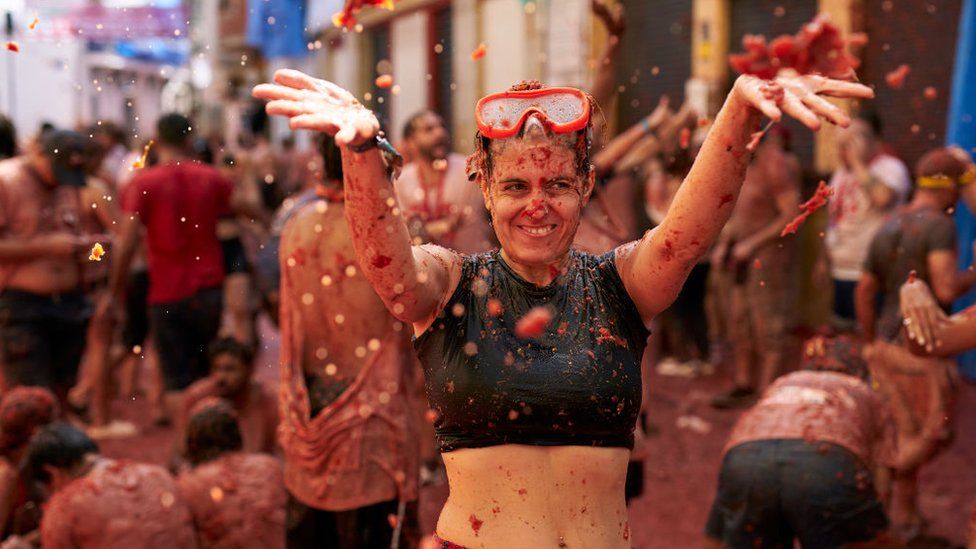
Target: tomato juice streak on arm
817	201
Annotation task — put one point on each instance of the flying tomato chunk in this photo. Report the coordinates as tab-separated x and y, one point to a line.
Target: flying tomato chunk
384	81
13	46
534	323
896	78
141	163
97	252
479	52
33	24
817	201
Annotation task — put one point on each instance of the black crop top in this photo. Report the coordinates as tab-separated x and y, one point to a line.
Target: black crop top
579	384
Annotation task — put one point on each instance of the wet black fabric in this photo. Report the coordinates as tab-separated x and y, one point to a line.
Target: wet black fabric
579	384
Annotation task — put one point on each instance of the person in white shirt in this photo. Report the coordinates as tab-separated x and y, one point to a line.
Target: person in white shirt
868	184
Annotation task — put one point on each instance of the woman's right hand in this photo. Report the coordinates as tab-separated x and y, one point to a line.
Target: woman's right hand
315	104
922	314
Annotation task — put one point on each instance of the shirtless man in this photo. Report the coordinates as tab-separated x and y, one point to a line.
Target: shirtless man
98	502
347	382
232	378
237	499
433	190
44	247
759	262
811	461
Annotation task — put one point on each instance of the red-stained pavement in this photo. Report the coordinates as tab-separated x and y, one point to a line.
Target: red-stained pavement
682	466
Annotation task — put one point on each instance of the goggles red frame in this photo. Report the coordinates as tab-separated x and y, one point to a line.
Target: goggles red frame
500	115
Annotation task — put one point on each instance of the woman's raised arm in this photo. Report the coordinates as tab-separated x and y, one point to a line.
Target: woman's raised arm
413	281
655	267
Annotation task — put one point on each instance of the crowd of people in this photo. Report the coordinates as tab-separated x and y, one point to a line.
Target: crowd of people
489	321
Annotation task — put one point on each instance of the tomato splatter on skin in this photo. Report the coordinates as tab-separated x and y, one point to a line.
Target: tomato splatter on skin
817	201
495	307
475	524
384	81
626	530
522	491
534	323
554	270
381	261
534	207
562	328
725	199
668	251
896	78
479	52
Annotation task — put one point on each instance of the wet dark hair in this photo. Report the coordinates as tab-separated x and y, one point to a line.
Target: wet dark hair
174	129
584	139
212	431
59	445
8	138
233	347
410	126
840	354
331	158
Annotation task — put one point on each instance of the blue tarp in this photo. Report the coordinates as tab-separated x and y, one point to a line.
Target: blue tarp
962	132
277	27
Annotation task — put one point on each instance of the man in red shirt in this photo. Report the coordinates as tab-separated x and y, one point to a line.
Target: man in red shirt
811	460
178	202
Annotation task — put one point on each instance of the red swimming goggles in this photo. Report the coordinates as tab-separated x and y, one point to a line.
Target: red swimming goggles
500	115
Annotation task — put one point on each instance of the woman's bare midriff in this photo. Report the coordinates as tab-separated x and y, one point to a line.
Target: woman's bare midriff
536	496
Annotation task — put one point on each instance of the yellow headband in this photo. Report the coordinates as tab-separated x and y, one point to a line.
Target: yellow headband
968	176
935	182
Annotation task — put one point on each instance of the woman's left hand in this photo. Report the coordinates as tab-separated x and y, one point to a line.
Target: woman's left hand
800	96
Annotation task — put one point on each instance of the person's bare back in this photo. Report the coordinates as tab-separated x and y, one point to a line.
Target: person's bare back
348	372
118	504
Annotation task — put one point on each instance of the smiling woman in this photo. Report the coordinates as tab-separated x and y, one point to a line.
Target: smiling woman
536	426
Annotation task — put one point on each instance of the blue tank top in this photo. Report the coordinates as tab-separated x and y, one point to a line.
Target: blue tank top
579	384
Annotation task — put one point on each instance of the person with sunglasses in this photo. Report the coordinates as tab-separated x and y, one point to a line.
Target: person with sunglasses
532	352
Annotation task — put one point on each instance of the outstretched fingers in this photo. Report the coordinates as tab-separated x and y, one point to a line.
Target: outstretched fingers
793	106
826	109
839	88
